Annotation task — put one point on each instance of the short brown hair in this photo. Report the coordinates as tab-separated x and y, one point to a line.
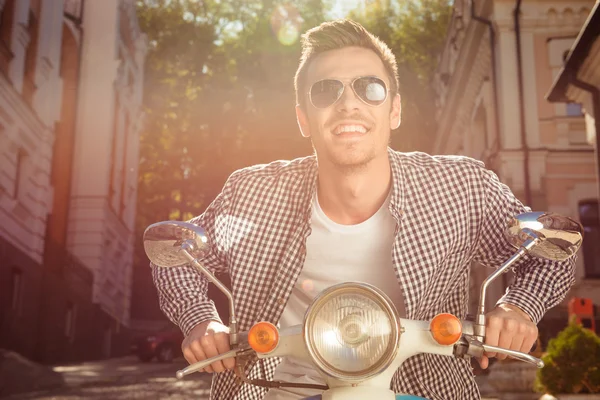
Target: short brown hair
335	35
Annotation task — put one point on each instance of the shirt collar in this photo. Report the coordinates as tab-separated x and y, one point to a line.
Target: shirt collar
396	198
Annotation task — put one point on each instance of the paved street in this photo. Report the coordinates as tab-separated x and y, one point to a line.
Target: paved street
124	378
127	378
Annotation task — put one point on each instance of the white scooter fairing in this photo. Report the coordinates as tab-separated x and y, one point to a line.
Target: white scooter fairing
415	338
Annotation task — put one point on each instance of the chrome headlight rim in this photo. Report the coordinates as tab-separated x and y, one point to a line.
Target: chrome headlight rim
386	305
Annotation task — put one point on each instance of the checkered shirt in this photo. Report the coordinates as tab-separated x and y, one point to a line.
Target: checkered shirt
449	211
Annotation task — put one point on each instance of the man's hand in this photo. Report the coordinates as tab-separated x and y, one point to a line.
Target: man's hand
205	340
509	327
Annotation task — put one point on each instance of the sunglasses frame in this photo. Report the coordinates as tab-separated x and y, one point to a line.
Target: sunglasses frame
351	84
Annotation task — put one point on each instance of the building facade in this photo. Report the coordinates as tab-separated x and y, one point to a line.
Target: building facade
500	59
70	98
579	81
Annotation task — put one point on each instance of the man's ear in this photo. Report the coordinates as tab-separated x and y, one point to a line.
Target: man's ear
396	112
302	119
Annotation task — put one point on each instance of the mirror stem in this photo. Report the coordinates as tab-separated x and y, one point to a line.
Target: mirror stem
187	247
479	325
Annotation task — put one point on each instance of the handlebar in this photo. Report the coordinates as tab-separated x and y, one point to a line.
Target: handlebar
471	346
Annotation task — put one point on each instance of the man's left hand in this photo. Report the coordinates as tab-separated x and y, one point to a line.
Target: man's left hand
509	327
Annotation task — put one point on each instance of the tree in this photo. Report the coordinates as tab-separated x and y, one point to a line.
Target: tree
416	33
216	75
218	96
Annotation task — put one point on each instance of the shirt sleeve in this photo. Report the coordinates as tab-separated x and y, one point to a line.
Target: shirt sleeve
538	284
182	291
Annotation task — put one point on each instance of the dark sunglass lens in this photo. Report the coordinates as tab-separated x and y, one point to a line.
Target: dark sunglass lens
372	90
326	92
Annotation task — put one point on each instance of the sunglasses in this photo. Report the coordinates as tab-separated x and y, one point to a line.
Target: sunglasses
370	89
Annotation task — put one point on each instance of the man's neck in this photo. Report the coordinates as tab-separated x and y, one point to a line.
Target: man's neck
352	198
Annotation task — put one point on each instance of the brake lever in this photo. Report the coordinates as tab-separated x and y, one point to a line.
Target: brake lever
469	346
515	354
205	363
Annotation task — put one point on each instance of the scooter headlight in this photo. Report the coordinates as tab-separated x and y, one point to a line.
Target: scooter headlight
351	331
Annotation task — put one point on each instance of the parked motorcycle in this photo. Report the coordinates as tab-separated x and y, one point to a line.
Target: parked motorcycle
351	332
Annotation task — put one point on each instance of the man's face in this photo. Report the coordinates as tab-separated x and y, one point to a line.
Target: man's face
349	133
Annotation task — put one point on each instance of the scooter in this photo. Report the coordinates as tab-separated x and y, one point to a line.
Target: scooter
351	332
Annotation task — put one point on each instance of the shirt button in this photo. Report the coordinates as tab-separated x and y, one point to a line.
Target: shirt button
281	301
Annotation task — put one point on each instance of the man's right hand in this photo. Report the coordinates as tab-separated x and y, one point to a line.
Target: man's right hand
205	340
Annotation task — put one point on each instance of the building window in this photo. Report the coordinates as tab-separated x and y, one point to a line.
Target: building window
73	9
479	141
6	24
588	215
107	342
70	319
574	110
20	174
112	188
16	303
123	197
33	26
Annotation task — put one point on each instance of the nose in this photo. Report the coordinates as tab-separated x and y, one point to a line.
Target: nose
349	101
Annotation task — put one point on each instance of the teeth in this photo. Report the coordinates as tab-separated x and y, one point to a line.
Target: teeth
350	128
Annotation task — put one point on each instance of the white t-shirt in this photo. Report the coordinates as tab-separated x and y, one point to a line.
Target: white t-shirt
334	254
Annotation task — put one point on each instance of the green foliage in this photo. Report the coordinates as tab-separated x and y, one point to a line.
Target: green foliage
218	96
416	33
572	363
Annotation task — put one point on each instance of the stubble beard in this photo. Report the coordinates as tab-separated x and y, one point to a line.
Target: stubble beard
349	161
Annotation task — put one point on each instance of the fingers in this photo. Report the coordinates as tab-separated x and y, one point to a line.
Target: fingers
210	349
189	354
506	336
492	333
484	362
510	331
201	347
519	338
204	342
529	340
222	344
193	352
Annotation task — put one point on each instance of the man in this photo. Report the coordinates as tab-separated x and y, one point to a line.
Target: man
357	211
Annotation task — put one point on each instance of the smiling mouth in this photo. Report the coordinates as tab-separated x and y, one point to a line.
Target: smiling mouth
344	129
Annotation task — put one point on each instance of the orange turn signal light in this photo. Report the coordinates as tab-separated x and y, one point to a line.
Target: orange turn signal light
263	337
446	329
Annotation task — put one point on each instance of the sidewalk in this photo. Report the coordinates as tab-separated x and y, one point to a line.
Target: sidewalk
18	375
115	370
123	378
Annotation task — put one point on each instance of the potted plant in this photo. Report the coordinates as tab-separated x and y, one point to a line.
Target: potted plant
572	365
